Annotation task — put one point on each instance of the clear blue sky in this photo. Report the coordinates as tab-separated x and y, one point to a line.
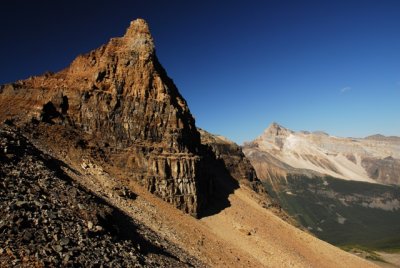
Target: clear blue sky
308	65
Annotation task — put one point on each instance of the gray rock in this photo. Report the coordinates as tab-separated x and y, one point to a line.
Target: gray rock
64	241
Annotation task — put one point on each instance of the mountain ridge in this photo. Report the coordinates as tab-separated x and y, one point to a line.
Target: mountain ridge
373	159
335	187
276	125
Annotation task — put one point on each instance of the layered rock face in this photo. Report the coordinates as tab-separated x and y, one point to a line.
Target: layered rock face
48	220
120	95
371	159
234	160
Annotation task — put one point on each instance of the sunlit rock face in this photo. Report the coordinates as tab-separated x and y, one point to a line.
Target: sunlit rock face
120	94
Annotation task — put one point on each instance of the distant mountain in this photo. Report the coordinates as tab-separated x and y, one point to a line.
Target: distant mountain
374	159
379	137
344	190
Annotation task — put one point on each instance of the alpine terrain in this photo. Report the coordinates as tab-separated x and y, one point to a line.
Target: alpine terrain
102	165
344	190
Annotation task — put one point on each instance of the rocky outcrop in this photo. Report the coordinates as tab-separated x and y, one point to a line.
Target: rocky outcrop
47	220
234	160
386	170
120	95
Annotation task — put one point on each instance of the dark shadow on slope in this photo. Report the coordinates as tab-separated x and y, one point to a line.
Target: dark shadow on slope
221	185
121	226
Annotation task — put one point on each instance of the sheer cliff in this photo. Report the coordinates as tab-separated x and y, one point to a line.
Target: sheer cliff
121	96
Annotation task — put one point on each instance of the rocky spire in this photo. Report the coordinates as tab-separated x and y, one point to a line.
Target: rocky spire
138	27
138	38
120	95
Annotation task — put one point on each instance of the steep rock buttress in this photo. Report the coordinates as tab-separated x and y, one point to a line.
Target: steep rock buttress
119	94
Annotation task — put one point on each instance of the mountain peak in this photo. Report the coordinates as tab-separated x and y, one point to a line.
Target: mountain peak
120	65
120	53
273	136
138	26
120	95
275	125
275	129
138	36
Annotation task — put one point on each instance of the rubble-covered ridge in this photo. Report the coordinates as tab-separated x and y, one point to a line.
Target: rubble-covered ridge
121	96
47	220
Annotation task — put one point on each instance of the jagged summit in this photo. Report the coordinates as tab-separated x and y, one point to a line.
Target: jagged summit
274	125
138	36
124	71
122	63
272	136
276	129
138	26
121	96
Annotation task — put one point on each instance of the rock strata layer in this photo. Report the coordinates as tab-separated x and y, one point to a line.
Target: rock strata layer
120	94
48	220
235	163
